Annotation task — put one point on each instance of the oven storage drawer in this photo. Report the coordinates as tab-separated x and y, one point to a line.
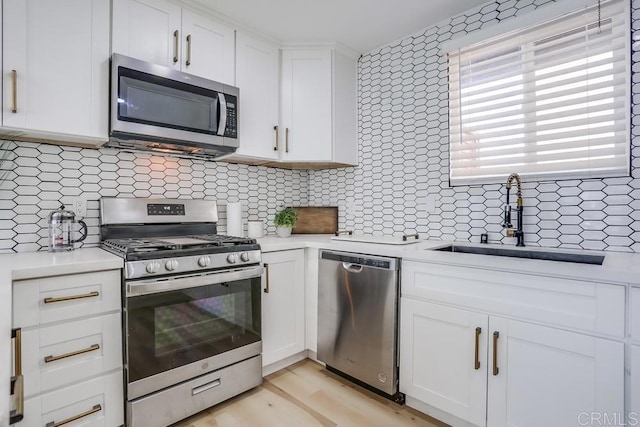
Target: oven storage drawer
60	298
190	397
97	402
58	355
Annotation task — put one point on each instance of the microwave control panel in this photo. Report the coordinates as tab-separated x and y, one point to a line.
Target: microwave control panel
231	130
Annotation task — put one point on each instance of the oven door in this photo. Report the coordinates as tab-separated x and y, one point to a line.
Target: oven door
184	326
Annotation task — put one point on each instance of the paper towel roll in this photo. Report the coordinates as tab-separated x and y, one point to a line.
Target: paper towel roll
234	219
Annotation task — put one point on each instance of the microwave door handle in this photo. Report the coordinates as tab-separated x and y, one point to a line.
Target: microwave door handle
222	125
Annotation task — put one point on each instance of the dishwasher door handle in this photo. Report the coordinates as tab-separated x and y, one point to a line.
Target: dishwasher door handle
352	268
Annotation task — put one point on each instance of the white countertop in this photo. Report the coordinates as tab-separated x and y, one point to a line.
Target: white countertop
618	267
39	264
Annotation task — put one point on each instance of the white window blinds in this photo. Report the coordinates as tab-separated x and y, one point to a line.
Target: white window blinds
548	102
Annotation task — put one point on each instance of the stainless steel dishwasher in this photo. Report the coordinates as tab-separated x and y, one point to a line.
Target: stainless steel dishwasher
358	319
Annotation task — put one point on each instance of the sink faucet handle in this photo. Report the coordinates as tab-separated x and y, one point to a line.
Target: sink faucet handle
507	216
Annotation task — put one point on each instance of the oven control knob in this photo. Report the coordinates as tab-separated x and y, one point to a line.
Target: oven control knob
204	261
152	267
232	258
171	265
244	256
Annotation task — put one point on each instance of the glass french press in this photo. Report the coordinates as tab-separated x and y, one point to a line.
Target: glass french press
61	224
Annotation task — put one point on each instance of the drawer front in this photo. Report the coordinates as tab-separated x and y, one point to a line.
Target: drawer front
98	402
62	354
634	313
593	307
54	299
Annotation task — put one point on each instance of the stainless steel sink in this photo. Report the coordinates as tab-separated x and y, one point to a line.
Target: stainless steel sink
523	253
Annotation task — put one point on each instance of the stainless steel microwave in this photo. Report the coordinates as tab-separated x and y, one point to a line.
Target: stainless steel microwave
160	109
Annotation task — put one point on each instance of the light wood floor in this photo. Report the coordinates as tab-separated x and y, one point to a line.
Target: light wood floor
305	394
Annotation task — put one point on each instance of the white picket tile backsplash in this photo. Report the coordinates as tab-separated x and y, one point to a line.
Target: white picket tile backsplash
43	175
403	126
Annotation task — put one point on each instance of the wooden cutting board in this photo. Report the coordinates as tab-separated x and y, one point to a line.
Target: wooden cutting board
316	220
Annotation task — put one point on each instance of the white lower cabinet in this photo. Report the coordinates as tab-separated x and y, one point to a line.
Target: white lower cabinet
634	407
521	374
283	333
97	402
437	358
550	377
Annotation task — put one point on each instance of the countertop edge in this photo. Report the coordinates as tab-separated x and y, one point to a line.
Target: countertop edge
619	268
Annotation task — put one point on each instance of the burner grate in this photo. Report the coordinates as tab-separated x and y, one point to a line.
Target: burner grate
126	246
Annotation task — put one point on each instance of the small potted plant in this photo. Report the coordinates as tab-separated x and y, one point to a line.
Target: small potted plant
284	221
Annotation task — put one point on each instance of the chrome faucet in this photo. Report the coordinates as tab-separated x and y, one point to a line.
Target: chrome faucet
517	233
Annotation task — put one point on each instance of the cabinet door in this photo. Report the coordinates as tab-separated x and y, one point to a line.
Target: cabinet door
549	377
282	305
257	76
438	358
306	105
148	30
208	48
634	312
58	54
634	399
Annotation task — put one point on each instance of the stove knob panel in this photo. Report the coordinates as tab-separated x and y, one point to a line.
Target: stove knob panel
171	265
232	258
244	256
204	261
152	267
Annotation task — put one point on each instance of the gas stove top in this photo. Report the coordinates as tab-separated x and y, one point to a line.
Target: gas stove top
213	243
158	237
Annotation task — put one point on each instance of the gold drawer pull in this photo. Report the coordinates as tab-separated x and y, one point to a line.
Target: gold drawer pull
95	409
14	91
71	297
496	370
266	272
50	359
476	364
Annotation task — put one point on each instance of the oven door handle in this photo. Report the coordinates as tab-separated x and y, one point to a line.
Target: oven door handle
192	281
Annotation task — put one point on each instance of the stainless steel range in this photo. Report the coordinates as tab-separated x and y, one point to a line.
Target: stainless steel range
191	307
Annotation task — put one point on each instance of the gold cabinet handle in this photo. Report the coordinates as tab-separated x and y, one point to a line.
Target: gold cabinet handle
175	45
266	272
71	297
476	365
50	359
96	408
286	140
275	146
496	370
17	381
339	232
188	50
14	91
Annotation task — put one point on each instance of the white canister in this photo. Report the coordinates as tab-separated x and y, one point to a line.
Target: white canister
255	229
234	219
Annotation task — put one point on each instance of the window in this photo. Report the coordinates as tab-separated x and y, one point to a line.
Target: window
550	101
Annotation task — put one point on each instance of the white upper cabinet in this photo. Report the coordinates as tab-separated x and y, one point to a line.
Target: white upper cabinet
56	69
257	76
208	48
161	32
148	30
318	106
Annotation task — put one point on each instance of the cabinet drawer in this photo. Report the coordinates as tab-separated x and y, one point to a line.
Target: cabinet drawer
53	299
634	314
99	402
59	355
594	307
